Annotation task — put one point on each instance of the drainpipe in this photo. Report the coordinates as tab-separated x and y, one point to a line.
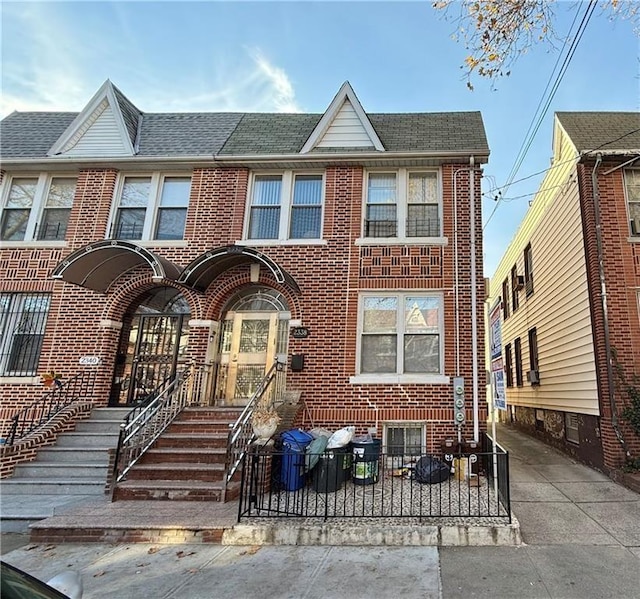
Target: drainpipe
474	300
605	312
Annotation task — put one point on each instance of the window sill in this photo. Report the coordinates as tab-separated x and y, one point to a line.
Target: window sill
634	239
34	243
160	243
263	242
20	380
400	379
402	241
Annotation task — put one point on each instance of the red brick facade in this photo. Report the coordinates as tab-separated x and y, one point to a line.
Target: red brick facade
330	276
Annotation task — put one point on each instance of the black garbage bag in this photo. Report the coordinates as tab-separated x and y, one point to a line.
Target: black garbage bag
431	470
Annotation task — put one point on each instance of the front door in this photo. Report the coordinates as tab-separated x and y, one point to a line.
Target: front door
249	348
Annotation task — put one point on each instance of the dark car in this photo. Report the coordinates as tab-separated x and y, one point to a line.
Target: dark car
16	584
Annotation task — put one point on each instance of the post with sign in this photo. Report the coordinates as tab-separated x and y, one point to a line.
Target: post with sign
498	395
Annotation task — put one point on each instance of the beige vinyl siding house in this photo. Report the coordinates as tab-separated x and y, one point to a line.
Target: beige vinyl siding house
562	286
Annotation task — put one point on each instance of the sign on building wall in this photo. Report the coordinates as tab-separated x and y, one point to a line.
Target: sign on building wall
497	366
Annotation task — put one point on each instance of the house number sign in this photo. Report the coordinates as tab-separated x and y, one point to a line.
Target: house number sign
299	332
90	360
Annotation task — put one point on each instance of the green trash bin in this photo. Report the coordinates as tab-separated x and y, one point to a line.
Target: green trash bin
366	457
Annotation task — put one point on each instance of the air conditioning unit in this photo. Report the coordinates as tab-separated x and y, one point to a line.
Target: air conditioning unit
519	282
533	376
635	226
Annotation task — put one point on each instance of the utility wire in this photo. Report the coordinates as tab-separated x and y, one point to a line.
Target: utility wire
524	149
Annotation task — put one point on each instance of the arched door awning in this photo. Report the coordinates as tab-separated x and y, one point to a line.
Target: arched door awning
98	265
210	265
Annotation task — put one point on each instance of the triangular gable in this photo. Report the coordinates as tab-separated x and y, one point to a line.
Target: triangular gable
344	124
106	127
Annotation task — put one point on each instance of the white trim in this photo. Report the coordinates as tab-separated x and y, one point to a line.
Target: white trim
400	379
107	323
88	116
344	93
20	380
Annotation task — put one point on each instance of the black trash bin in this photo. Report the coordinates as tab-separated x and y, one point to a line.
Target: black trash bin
366	456
328	473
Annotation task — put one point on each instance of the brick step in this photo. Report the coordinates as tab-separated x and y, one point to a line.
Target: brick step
170	490
215	425
179	455
177	472
228	414
189	440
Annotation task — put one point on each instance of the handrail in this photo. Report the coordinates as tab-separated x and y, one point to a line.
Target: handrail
147	421
240	432
51	403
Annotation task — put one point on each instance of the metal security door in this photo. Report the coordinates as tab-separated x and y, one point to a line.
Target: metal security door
156	352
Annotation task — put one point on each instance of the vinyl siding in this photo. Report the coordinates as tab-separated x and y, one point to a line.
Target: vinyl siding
346	131
103	137
559	306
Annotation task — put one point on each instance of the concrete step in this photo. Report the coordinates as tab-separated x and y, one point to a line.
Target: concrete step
57	470
109	413
177	472
83	440
52	486
98	426
180	455
73	455
170	490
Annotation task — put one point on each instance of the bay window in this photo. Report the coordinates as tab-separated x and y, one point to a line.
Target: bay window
403	204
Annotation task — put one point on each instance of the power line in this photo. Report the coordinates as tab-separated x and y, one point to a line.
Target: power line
525	147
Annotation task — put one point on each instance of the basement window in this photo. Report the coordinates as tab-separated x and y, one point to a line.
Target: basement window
571	428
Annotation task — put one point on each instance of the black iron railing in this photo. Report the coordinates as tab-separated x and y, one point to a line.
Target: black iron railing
41	411
284	483
150	418
241	431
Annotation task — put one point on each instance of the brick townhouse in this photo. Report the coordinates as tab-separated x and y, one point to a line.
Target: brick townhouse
346	244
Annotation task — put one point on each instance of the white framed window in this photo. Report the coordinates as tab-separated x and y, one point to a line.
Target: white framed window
36	207
151	207
23	317
632	185
400	337
285	206
403	204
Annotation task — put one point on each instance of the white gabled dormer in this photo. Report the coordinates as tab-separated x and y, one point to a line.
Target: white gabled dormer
344	124
107	126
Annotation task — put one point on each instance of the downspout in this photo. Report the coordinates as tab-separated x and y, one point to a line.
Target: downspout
605	312
474	300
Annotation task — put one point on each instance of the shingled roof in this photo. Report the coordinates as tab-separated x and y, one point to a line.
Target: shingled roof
32	134
605	131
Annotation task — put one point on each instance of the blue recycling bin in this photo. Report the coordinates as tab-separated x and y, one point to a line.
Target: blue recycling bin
294	443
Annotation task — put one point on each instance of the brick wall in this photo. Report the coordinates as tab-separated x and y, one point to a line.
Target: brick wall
330	277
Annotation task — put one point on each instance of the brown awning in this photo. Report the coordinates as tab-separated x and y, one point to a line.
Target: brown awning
98	265
210	265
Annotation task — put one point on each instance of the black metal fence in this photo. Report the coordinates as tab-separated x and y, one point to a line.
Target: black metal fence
352	483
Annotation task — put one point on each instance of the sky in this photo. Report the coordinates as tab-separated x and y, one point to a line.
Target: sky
267	56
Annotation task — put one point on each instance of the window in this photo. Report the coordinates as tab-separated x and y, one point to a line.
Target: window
534	376
403	440
571	430
152	207
515	288
518	350
37	208
632	183
403	204
505	298
528	270
286	206
22	322
508	364
401	334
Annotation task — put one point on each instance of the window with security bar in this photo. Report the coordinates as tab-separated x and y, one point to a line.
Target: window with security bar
403	204
23	317
36	207
632	186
